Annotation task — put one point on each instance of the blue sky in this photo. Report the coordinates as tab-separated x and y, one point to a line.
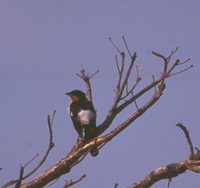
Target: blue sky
43	44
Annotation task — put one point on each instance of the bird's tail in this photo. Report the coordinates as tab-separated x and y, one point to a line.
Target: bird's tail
94	151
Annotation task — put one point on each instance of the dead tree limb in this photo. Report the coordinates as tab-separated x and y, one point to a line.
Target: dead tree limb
122	91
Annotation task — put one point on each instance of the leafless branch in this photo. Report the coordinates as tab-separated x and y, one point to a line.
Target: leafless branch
120	72
183	62
80	150
129	52
18	184
86	78
116	109
119	93
65	165
169	72
179	72
130	91
114	45
94	74
51	145
155	89
173	52
171	170
117	64
31	160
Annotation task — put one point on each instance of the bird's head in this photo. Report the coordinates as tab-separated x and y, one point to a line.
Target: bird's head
76	95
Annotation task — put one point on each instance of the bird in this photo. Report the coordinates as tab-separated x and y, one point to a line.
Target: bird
83	116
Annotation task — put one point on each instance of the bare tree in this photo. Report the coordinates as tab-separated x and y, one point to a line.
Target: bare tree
126	95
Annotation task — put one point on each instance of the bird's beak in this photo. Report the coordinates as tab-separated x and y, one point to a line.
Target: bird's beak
69	94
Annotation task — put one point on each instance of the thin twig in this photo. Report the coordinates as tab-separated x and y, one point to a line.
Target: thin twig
172	53
136	105
114	45
155	89
184	61
123	38
127	90
179	72
138	72
97	71
69	183
126	78
18	184
117	64
138	79
51	145
131	90
120	71
21	174
31	160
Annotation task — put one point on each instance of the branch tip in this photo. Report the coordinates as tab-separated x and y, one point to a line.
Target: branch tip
114	45
126	45
187	135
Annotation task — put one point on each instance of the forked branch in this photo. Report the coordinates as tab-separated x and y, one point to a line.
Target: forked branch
86	78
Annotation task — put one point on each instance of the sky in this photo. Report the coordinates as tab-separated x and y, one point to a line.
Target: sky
44	44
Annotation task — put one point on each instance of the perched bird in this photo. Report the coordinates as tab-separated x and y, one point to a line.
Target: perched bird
83	116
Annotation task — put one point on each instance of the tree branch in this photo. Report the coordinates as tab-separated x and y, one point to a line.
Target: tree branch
165	172
172	170
80	150
51	145
187	135
86	78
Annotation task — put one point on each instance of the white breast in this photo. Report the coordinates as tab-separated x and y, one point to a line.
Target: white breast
71	114
86	116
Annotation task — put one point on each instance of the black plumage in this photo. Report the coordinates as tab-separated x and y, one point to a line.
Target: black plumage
83	116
